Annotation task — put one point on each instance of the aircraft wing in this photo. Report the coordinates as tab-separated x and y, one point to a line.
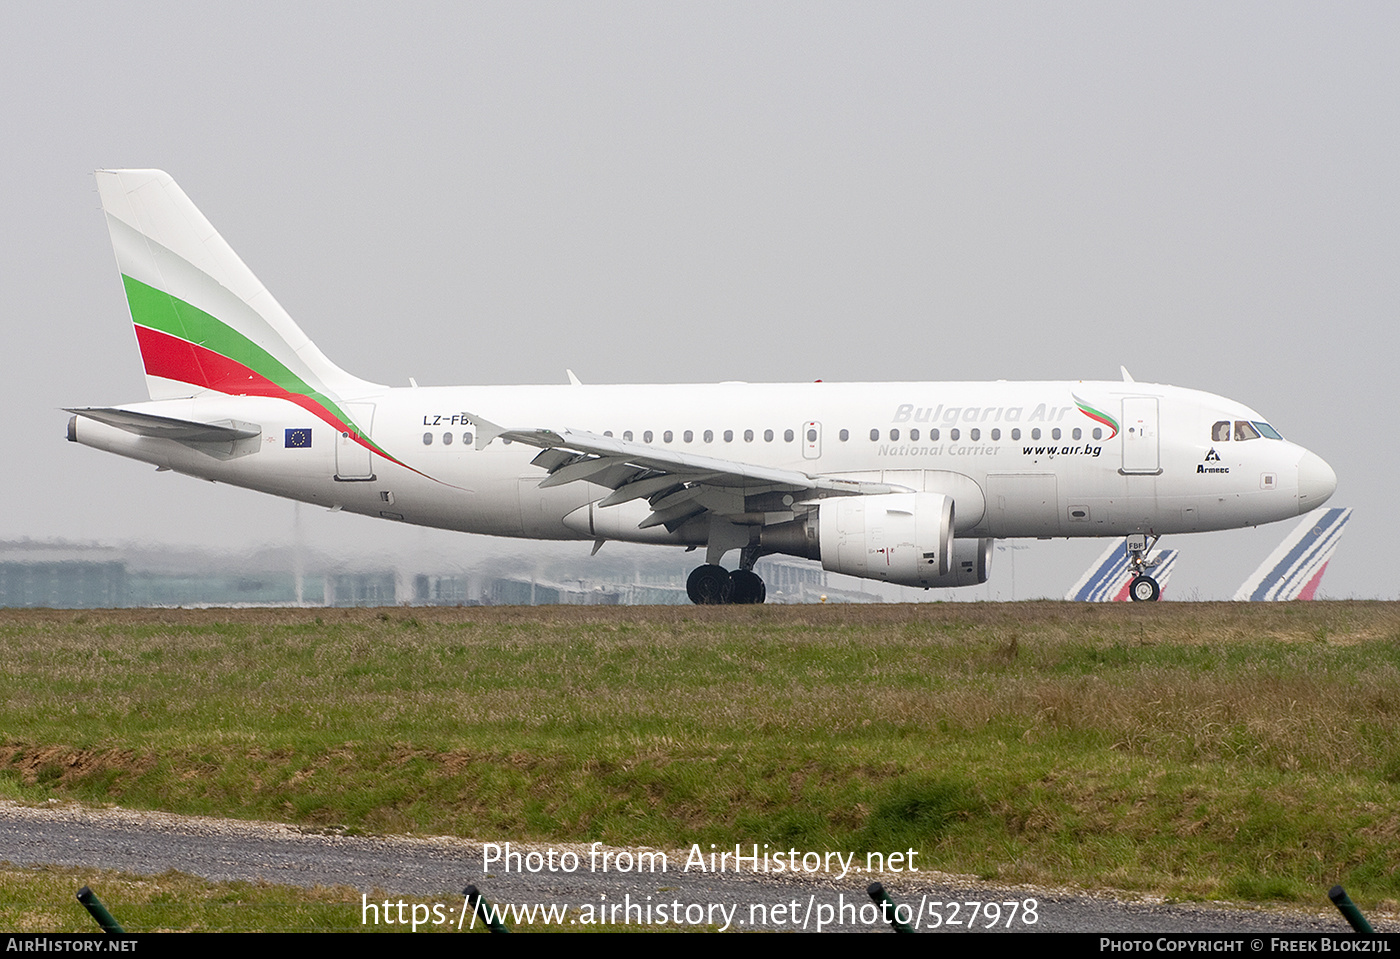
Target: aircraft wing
678	485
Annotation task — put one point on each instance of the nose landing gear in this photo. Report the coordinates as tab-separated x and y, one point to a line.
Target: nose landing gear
1143	588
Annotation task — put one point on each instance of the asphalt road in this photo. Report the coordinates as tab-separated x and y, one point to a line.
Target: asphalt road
384	868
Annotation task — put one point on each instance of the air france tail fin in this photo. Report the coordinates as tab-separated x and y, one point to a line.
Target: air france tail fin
203	321
1294	570
1108	579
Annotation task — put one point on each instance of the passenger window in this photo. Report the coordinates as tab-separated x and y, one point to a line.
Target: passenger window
729	436
974	433
894	434
709	436
874	435
996	434
1016	433
1055	433
427	439
1077	433
446	439
933	436
1035	433
914	435
811	436
646	437
627	435
666	437
748	436
845	435
466	439
953	434
1220	432
787	436
689	436
1098	433
767	436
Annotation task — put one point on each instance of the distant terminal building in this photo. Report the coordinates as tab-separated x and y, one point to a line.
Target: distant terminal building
442	591
82	576
791	581
64	584
361	589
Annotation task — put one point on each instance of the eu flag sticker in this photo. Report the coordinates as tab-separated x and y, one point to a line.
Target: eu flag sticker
299	439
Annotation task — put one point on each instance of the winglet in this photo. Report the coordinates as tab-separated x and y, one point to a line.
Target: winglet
1127	377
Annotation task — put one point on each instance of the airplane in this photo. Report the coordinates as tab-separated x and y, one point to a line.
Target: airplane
1294	570
1109	579
905	483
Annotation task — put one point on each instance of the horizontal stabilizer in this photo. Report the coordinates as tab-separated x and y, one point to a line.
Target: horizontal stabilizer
169	428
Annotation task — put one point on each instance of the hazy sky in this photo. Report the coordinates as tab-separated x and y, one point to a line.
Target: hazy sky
490	193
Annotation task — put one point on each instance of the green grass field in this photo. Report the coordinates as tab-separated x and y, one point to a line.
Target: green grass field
1244	751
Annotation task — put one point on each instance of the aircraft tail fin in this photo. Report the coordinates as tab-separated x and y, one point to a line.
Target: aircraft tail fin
203	320
1295	568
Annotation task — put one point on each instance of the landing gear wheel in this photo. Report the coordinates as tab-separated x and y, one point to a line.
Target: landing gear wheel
748	587
1144	589
709	585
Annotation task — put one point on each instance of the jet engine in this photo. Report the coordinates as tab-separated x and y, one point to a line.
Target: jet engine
903	538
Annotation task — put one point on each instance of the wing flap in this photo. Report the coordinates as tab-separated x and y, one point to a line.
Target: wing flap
648	487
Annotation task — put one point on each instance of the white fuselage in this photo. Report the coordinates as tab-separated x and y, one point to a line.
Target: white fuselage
1018	459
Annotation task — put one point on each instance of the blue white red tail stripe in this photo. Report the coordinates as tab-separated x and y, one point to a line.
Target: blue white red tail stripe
1294	569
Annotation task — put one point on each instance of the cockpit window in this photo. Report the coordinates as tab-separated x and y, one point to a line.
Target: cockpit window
1266	430
1244	430
1220	432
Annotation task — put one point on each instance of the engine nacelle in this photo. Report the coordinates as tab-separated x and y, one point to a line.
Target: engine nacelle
904	538
972	563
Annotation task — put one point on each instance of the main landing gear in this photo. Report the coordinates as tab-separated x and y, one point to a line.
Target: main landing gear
1143	588
713	585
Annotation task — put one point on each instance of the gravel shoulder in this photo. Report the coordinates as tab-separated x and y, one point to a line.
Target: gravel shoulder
437	868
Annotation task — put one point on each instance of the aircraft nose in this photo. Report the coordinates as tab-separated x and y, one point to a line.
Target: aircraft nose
1316	481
